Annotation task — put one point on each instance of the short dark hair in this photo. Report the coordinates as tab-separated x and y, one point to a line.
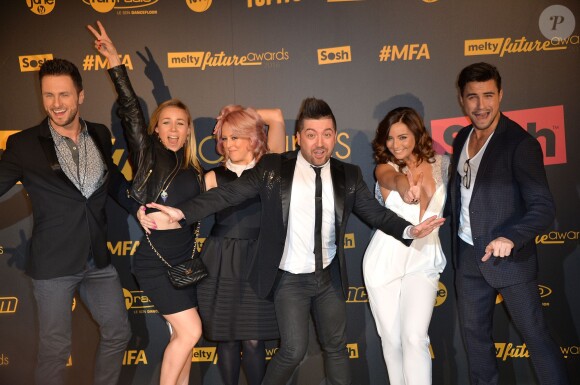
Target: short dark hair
478	72
56	67
313	108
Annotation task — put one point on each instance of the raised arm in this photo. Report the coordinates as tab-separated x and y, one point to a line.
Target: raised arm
367	208
129	109
408	187
104	45
276	129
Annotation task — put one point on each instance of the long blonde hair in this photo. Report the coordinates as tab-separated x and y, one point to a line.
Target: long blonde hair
190	156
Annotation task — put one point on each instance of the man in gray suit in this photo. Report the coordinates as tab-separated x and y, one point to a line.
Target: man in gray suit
499	200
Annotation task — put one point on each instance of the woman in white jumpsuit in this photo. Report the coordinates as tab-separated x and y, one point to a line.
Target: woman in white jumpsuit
402	281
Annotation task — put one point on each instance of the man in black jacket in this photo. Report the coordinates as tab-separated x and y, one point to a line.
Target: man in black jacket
65	166
300	258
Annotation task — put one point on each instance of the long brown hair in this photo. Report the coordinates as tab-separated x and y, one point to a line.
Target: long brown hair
423	143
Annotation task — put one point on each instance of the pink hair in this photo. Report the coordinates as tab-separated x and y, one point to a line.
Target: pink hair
245	123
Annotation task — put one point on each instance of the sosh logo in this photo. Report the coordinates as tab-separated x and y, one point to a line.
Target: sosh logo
546	124
30	63
334	55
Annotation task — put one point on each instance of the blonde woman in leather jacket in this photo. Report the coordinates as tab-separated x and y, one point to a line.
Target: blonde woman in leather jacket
163	154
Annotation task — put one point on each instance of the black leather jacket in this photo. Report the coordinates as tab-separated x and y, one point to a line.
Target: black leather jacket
152	162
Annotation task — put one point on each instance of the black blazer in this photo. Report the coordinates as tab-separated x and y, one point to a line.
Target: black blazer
271	179
67	226
511	198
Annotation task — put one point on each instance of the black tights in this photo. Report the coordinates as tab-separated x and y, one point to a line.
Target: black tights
253	360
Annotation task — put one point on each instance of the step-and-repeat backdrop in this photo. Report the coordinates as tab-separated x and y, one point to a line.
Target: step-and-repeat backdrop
364	57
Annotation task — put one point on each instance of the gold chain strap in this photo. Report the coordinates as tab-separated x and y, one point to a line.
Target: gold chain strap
196	232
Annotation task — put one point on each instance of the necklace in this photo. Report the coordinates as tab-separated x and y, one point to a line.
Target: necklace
164	195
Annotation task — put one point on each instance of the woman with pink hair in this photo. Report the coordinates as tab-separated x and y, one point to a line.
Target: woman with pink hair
232	313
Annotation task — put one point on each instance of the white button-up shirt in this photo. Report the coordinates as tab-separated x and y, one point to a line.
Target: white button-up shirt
298	256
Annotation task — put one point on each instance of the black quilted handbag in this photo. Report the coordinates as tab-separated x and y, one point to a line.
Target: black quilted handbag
188	272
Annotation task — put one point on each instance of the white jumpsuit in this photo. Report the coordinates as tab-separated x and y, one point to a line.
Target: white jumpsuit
402	282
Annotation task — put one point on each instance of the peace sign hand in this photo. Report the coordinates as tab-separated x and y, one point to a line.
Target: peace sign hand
104	45
413	193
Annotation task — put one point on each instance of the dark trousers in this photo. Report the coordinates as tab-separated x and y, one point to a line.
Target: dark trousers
296	297
476	304
101	291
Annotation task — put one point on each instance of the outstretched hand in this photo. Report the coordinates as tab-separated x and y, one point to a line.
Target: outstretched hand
175	215
426	227
500	247
104	45
413	194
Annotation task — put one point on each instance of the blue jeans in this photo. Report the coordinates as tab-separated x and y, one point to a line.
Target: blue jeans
295	298
101	292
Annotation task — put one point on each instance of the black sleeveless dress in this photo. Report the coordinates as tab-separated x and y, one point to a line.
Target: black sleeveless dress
175	246
229	308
